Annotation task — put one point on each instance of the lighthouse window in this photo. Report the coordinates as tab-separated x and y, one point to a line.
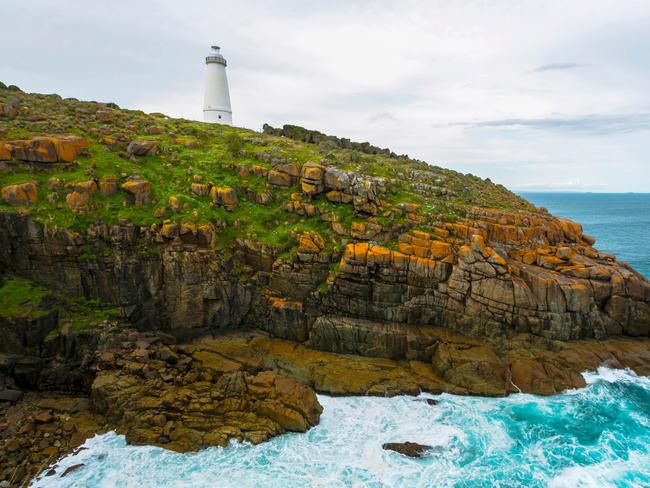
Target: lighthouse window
219	116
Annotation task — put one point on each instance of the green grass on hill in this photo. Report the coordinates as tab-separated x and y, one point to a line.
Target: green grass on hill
190	149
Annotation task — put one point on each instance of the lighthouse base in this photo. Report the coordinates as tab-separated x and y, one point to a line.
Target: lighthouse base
217	117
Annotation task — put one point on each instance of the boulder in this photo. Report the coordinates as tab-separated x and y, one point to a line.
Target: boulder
116	141
80	194
289	168
311	180
108	186
49	149
410	449
474	367
224	196
5	152
9	109
139	190
337	180
202	400
105	115
20	194
54	183
589	240
200	189
142	148
174	203
279	179
154	129
9	395
311	243
338	197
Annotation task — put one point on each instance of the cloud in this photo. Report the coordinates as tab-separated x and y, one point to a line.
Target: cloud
557	67
595	124
379	117
381	71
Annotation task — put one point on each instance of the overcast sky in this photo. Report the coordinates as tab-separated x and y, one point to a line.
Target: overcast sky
543	94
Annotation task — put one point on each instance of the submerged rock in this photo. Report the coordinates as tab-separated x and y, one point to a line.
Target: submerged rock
410	449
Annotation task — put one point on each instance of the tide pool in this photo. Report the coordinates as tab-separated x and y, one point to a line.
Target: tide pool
595	436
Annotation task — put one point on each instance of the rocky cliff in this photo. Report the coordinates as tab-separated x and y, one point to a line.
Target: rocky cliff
342	256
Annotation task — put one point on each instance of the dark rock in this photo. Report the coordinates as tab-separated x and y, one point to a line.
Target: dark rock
589	239
410	449
44	418
10	395
72	469
142	148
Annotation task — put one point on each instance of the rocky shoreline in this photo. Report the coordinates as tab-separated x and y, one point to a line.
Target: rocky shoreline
249	387
214	345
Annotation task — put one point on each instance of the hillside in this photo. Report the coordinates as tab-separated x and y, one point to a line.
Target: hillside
191	283
183	160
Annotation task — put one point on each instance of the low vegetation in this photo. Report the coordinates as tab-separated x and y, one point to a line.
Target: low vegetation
190	152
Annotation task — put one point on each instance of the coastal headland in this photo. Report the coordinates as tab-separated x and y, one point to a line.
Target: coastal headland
187	283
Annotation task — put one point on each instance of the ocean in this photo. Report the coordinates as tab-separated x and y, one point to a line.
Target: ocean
595	436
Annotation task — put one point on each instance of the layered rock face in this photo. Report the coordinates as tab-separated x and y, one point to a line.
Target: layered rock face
491	275
520	303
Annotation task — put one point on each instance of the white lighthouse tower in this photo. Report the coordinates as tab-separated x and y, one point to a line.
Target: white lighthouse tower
216	103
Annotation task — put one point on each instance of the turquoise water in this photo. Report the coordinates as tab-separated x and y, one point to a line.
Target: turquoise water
594	436
619	221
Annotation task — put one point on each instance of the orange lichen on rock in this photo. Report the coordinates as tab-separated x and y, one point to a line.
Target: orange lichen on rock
440	250
5	152
282	303
20	194
48	149
139	189
311	242
80	194
200	189
224	196
108	186
378	255
69	147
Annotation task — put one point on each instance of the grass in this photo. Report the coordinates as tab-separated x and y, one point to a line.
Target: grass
190	149
83	314
21	299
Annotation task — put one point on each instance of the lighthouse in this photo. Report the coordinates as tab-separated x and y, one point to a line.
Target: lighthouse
216	103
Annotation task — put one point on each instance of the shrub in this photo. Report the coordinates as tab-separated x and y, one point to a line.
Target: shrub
234	144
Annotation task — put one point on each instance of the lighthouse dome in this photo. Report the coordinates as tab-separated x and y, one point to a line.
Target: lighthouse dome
215	56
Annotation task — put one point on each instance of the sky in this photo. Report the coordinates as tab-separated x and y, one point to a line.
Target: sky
536	95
